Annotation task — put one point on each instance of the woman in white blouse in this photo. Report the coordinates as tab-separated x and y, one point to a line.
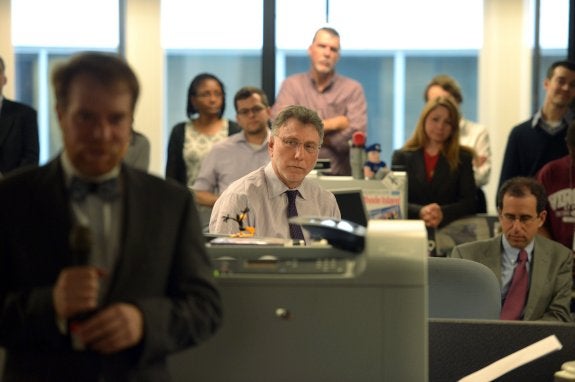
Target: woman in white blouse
190	141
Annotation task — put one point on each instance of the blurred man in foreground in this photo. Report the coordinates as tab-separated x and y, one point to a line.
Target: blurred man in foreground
103	268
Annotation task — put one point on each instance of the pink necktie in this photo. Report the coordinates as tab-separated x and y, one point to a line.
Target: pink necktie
517	293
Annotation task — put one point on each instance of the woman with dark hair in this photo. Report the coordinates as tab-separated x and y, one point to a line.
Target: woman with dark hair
190	141
440	182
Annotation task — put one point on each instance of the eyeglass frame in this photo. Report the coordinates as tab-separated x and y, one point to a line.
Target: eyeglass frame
255	110
293	144
523	219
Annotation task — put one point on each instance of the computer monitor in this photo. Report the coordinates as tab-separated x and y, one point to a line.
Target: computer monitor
351	205
322	164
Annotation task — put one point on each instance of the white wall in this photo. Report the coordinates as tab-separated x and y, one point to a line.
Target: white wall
145	55
504	77
6	50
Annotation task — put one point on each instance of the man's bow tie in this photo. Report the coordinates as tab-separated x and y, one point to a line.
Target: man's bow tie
107	190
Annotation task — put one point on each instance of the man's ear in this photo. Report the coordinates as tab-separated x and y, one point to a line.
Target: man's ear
271	145
542	217
59	110
546	82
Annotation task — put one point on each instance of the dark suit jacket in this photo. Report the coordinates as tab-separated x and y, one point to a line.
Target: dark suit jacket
18	136
163	269
550	275
453	191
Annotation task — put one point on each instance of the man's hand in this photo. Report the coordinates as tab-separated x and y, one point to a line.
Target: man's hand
76	291
336	123
205	198
115	328
367	173
431	215
479	160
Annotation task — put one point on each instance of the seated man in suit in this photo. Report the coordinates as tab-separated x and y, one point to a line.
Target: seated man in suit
535	272
113	303
18	132
278	190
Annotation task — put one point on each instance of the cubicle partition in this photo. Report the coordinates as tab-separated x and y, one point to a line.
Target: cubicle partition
460	347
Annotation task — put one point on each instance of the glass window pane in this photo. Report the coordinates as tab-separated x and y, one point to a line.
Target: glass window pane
554	24
391	50
229	48
188	25
553	38
234	69
65	23
408	24
294	28
48	34
420	69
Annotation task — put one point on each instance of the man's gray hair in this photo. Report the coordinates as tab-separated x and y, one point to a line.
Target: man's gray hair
331	31
302	114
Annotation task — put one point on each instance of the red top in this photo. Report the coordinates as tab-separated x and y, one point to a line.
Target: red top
430	164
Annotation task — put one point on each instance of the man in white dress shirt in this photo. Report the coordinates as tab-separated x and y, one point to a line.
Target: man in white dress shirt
240	153
297	134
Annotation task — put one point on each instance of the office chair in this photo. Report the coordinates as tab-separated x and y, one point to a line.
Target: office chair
464	289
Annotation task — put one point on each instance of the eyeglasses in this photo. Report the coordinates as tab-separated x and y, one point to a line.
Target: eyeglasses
294	144
254	110
523	219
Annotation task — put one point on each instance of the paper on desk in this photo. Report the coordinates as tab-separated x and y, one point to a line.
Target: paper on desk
514	360
226	240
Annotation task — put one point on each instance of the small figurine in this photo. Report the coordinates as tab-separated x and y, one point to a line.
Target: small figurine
374	162
246	231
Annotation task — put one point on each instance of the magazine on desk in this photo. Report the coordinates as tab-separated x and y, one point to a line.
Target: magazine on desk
387	202
382	199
